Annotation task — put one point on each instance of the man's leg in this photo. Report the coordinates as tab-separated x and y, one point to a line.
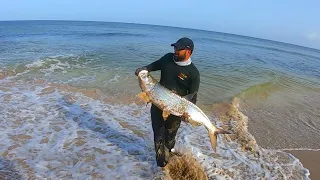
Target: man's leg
158	131
172	125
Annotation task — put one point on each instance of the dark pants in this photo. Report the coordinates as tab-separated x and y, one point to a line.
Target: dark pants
164	134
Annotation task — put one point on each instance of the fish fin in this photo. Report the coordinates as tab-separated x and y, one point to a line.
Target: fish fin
188	119
189	96
144	97
213	137
194	124
213	140
165	114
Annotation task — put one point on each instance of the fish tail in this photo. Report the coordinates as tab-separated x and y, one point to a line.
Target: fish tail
213	137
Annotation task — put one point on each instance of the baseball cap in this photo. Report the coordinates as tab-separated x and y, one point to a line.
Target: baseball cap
184	43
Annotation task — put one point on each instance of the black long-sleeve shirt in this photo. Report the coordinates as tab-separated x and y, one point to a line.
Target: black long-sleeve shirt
181	79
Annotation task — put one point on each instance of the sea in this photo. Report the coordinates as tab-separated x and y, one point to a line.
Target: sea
69	106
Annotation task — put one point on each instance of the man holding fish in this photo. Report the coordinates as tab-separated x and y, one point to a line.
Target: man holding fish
179	75
173	98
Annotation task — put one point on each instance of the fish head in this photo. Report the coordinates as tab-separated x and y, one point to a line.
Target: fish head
146	81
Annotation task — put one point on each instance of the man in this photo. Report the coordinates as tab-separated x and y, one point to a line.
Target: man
179	75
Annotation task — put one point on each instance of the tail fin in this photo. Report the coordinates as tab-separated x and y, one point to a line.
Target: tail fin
213	137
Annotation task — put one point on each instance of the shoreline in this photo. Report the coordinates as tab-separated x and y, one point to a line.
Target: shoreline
310	159
42	88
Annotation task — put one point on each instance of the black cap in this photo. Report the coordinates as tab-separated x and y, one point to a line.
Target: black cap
184	43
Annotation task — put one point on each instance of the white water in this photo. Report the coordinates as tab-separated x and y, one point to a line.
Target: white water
79	140
49	132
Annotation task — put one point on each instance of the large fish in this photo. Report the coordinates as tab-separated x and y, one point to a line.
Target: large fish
171	103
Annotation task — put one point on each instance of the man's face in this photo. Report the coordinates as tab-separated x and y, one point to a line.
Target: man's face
181	55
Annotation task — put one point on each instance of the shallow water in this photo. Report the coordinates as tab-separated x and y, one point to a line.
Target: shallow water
68	105
55	131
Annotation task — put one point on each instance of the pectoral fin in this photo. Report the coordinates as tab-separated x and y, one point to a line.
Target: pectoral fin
165	114
144	97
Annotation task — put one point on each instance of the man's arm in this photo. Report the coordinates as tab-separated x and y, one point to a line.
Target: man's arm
194	87
156	65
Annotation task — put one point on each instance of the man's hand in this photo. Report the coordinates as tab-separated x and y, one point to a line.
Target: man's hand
184	119
174	91
140	69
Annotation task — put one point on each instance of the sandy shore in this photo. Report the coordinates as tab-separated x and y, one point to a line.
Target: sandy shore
310	160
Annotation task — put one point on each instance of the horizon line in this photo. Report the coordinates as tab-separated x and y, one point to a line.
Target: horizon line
170	26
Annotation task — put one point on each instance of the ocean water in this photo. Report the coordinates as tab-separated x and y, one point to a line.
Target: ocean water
69	108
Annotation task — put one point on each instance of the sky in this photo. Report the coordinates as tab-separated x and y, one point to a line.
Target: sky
290	21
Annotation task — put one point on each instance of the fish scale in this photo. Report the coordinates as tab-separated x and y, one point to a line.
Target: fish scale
173	104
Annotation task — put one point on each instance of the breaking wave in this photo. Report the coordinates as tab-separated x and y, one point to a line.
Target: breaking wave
52	130
114	34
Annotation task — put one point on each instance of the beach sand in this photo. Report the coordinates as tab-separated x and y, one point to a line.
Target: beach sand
310	160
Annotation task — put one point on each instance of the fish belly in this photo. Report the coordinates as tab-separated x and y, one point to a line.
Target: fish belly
168	101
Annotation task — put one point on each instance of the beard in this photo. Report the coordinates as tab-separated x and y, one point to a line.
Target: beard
178	58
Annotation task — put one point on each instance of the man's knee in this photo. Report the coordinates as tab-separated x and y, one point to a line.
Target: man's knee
171	132
173	124
156	119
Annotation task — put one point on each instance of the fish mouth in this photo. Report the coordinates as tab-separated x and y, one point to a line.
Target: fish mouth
143	73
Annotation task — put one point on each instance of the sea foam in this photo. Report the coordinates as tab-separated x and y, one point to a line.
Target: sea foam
48	131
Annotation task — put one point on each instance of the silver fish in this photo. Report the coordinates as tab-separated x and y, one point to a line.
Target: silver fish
171	103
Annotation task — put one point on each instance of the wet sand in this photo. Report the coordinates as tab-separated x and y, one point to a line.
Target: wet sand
310	160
